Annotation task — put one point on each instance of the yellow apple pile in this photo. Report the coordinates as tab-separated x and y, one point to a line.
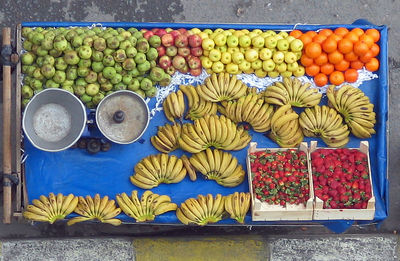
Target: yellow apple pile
260	52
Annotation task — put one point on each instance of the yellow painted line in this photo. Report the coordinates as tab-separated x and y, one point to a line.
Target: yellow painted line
246	248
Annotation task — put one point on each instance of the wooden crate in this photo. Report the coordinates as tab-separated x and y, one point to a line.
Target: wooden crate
347	214
262	211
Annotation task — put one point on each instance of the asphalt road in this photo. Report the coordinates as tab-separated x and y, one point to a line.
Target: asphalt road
13	12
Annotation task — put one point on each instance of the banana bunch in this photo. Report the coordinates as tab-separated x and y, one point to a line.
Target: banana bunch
285	128
250	108
153	170
52	208
237	205
174	106
356	109
189	167
212	130
98	208
292	91
222	88
198	107
166	139
324	122
201	211
147	208
219	166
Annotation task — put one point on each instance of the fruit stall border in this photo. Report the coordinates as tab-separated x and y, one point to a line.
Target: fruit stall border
21	192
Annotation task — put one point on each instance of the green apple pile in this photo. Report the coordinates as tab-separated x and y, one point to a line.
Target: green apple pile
260	52
89	62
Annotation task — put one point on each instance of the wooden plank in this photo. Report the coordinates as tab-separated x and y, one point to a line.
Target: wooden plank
17	157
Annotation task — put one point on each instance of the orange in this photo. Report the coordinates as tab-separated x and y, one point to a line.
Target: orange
374	33
336	78
313	50
352	36
312	70
365	38
320	79
329	45
372	65
342	66
296	33
360	48
321	59
357	65
335	37
341	31
306	61
345	46
306	39
366	57
327	68
311	33
375	49
319	38
326	32
351	57
358	31
335	57
351	75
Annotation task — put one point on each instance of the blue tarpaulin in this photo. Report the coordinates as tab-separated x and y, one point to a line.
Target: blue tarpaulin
75	171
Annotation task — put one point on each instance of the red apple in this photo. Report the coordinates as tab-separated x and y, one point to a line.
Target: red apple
181	41
160	32
195	72
182	30
195	40
143	30
178	62
184	51
167	40
160	50
148	34
175	33
196	51
154	30
171	51
194	62
164	62
170	70
184	69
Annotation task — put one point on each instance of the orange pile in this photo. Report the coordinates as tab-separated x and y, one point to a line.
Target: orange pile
335	56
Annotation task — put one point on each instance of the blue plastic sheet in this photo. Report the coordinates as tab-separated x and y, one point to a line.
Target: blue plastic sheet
75	171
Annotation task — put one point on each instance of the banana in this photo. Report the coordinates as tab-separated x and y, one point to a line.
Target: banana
185	220
277	125
280	112
359	131
165	207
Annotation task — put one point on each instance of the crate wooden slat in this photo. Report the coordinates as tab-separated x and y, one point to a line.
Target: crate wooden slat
347	214
262	211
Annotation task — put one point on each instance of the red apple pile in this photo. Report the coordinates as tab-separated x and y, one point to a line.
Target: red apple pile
179	50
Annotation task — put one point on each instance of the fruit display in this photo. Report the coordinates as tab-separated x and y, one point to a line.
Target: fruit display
220	166
260	52
102	209
166	139
174	106
237	205
341	178
197	106
223	87
285	127
335	56
213	131
153	170
51	208
201	211
147	208
324	122
281	177
355	108
292	91
89	62
251	109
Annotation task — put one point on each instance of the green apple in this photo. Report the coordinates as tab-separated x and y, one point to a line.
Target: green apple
232	41
290	57
286	74
283	34
222	49
268	65
232	68
270	32
257	64
218	67
298	55
252	34
226	57
290	39
215	55
233	50
207	44
206	62
260	73
257	31
220	39
282	67
299	72
237	57
278	57
265	54
251	55
244	41
282	45
273	74
270	42
258	41
278	37
292	66
296	45
245	66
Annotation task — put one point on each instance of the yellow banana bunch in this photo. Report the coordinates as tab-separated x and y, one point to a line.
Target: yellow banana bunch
201	211
219	166
237	205
222	88
147	208
51	208
356	109
213	131
153	170
174	106
198	107
292	91
251	109
285	128
166	139
324	122
102	209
